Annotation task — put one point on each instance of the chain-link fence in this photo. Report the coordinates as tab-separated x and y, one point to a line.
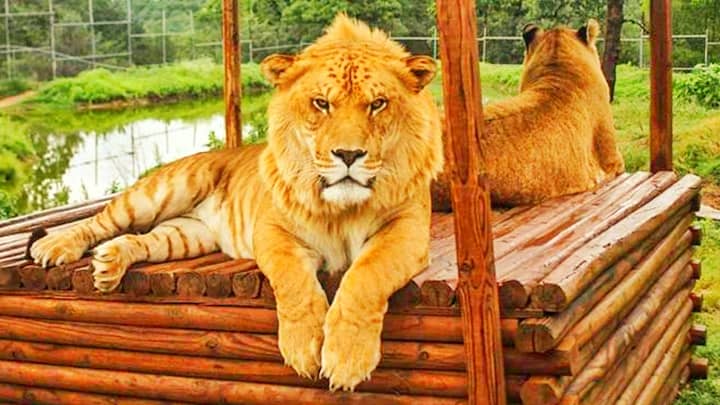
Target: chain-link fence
45	39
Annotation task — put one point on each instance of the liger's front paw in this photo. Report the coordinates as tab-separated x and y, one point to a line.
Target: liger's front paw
300	344
300	334
351	350
56	249
110	261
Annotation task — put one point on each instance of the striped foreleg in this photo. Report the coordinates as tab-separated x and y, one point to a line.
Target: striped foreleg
147	203
177	238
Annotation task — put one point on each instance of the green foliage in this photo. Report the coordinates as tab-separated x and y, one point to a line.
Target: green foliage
701	85
707	392
310	17
214	142
12	87
702	160
633	83
636	159
199	78
115	186
16	162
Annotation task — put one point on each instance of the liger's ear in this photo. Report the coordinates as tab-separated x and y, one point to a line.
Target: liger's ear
422	70
529	33
589	33
274	66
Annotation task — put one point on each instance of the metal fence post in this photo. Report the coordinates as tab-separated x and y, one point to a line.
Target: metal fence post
707	35
164	38
640	50
192	34
52	39
129	31
92	32
435	42
7	40
484	41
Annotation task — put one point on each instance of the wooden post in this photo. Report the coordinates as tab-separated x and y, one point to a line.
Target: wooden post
660	85
471	202
231	54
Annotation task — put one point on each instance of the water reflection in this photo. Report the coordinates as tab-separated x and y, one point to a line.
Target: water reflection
82	155
105	162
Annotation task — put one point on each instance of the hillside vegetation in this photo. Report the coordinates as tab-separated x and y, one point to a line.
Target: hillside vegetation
200	78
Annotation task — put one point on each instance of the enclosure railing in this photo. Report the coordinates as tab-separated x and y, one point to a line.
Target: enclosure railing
198	43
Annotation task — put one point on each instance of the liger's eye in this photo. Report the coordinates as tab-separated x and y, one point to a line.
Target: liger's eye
378	104
321	104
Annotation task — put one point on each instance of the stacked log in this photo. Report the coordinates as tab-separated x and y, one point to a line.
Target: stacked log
619	304
595	294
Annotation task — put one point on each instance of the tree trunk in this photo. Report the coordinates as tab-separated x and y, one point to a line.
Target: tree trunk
611	54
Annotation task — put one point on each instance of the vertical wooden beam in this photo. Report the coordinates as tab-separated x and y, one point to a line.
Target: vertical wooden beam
660	85
471	202
231	55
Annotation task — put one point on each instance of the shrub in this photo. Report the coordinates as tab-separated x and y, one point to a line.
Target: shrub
198	78
700	160
701	85
12	87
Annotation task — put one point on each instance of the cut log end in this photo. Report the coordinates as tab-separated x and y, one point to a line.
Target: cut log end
696	235
696	268
162	284
513	294
190	284
59	278
437	293
440	193
549	297
33	277
219	285
266	291
82	281
523	341
697	301
9	278
698	335
543	339
247	284
699	368
406	297
136	283
541	391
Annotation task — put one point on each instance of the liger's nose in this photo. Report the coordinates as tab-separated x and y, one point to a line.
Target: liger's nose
349	156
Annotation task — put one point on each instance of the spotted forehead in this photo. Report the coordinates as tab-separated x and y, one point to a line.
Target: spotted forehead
353	71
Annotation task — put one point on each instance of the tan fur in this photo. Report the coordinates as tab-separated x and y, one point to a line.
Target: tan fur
557	136
276	204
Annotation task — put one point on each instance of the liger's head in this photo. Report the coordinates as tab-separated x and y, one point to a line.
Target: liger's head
348	113
562	52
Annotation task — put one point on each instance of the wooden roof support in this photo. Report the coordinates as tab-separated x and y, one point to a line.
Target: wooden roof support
471	202
231	56
660	85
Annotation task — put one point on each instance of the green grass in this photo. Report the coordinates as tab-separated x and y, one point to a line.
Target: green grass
200	78
16	161
708	392
12	87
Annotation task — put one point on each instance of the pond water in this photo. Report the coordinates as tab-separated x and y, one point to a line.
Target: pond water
106	161
85	155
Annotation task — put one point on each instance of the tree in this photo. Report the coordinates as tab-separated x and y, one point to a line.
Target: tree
613	27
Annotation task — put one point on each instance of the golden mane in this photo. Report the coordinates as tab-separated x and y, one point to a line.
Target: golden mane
347	30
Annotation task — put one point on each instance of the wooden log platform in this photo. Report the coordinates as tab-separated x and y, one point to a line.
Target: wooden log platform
594	290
